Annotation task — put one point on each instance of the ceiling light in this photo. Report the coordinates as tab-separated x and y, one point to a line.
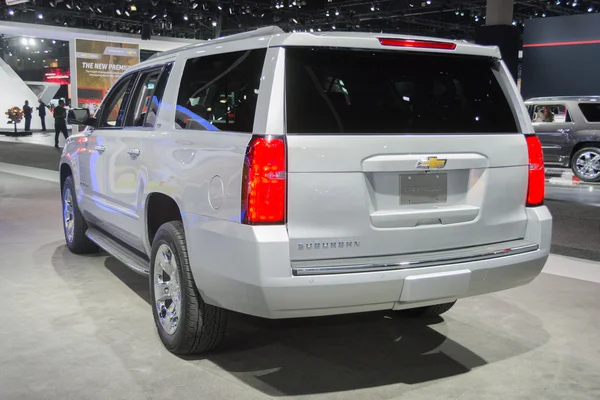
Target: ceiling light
591	9
32	41
24	41
185	17
40	16
194	6
214	23
127	13
118	11
133	8
11	12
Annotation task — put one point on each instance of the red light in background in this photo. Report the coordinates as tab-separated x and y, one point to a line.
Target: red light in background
57	75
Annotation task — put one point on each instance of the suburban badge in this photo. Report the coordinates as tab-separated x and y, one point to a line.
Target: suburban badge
343	244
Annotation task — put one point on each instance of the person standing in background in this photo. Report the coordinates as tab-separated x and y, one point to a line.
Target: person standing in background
27	114
60	122
42	113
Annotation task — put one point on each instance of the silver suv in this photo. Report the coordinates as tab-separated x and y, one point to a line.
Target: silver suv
298	175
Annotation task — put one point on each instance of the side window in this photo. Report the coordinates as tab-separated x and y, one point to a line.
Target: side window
143	98
591	111
220	92
556	113
157	97
113	109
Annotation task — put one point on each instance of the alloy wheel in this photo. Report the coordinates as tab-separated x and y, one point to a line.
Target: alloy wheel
588	165
68	214
167	289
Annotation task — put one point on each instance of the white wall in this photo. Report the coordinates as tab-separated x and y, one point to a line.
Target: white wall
14	93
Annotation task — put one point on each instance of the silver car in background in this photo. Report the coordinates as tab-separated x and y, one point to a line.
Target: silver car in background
298	175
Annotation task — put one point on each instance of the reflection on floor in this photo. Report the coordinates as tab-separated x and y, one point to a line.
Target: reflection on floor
575	206
39	138
79	327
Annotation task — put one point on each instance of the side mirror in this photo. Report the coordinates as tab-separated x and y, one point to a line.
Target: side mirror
80	116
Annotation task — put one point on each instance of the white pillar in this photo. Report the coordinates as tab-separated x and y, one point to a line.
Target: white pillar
499	12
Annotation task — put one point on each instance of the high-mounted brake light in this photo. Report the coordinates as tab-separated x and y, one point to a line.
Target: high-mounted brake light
422	44
264	182
537	180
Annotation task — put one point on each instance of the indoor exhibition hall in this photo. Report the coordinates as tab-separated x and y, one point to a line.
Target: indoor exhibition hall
300	199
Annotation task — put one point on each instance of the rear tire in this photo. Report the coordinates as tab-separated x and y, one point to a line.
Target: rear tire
583	167
74	225
429	311
185	323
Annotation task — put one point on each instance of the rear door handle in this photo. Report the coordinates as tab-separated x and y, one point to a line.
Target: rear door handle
134	153
562	130
100	149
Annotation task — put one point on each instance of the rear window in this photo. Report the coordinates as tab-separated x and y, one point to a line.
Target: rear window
364	92
591	111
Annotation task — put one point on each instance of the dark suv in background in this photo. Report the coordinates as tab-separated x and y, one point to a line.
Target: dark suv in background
569	129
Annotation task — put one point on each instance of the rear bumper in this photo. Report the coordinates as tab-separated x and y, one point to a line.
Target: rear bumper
257	279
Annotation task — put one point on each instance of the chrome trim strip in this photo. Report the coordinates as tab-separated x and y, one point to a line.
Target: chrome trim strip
486	255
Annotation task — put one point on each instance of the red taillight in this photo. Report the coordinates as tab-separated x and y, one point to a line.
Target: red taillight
264	182
537	178
422	44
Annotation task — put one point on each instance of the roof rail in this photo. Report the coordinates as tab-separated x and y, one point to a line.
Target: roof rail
266	31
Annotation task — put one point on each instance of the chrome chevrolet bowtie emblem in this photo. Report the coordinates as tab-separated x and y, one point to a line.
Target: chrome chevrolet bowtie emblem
432	163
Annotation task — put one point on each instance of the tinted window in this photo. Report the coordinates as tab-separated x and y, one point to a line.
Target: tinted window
591	111
113	109
220	92
142	98
340	91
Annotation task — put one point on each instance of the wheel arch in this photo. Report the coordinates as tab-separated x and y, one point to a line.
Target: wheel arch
588	142
160	208
65	172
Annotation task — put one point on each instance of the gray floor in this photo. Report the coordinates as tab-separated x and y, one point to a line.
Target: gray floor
81	328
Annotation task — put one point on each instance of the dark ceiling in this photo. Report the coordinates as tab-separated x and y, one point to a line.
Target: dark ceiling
207	19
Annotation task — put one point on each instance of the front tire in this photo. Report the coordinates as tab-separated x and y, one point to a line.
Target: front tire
185	323
586	164
74	225
429	311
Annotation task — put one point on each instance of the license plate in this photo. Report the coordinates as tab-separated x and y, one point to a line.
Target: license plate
423	188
